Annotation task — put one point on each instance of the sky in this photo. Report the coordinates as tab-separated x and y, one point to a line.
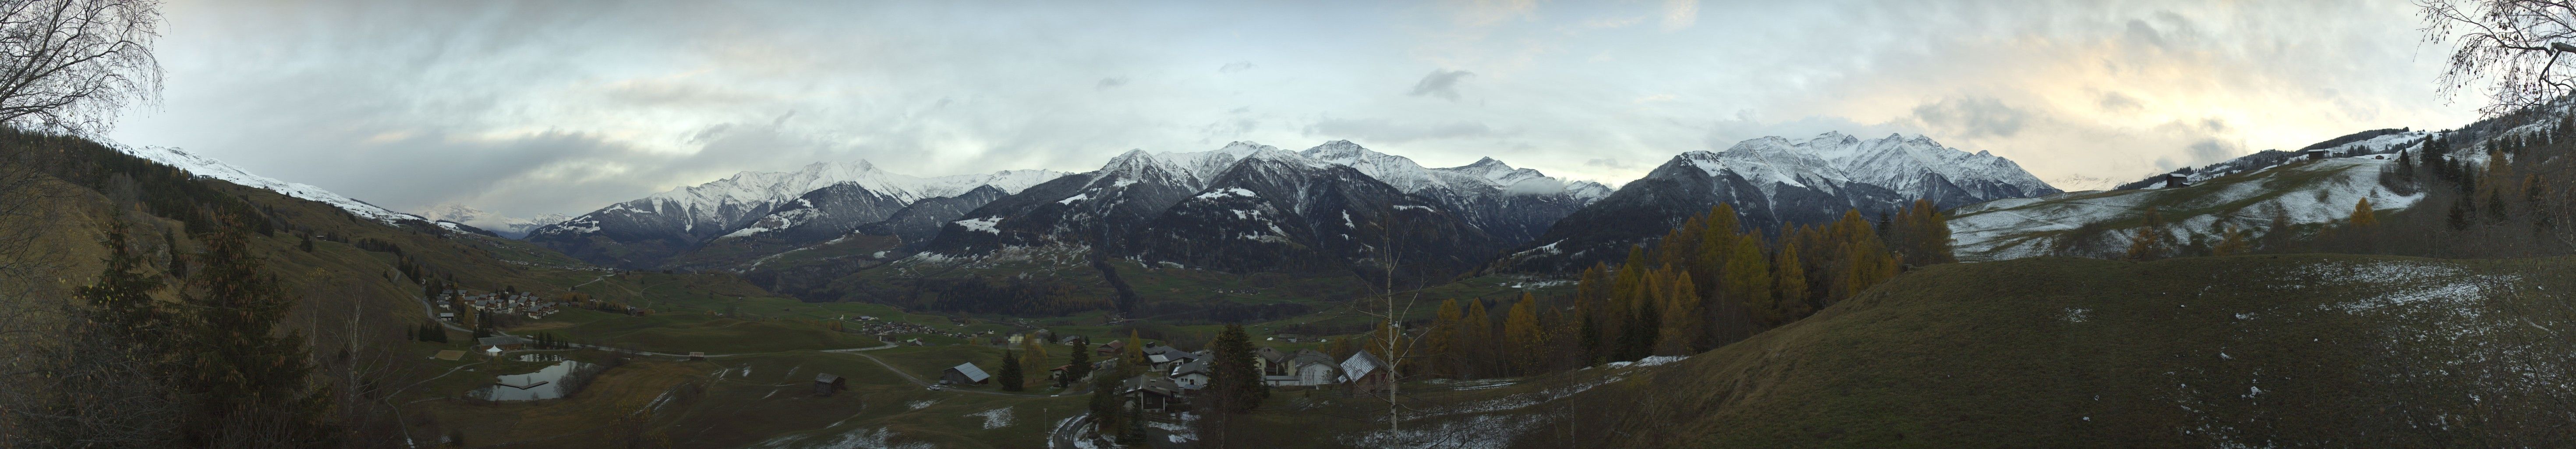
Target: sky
528	108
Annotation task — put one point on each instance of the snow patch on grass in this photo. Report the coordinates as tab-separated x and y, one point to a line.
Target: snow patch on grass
997	418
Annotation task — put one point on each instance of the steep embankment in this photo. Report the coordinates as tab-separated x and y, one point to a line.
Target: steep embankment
2244	351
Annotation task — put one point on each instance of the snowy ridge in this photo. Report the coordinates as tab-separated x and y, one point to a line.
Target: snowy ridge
206	167
1411	177
2027	227
705	201
1914	167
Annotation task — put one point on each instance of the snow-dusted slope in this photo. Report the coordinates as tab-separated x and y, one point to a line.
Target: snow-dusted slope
2386	141
2102	223
208	167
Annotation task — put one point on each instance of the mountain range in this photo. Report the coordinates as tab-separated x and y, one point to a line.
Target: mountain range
1244	207
1775	182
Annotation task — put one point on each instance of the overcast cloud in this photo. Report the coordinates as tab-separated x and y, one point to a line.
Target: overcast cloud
524	108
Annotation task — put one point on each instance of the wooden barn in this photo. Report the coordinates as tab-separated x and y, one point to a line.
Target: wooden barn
825	384
964	374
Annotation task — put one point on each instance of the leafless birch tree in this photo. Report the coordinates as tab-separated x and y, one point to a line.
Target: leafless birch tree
2515	50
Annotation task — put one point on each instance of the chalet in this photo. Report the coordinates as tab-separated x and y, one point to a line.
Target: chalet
1058	374
1150	393
2177	180
1072	340
964	374
1111	348
1309	367
1271	361
825	384
505	343
1192	375
1165	357
1364	373
2314	154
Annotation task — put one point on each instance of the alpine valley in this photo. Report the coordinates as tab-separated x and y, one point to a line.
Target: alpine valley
1837	258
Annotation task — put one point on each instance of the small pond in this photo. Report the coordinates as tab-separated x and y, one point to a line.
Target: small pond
543	384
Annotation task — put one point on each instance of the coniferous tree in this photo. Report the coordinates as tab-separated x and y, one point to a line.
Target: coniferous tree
1105	404
1078	367
1235	383
1748	281
1521	332
1790	285
1010	375
1680	306
102	382
251	385
1441	341
1475	336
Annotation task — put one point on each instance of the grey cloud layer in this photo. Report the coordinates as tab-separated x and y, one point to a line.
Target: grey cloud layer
527	108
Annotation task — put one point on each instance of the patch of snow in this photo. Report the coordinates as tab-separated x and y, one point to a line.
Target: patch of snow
1229	191
981	224
996	418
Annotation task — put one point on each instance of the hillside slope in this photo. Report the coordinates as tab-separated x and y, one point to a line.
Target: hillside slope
2102	223
2243	351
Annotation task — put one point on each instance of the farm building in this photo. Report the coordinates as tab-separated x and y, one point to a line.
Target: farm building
1364	373
964	374
1151	393
825	384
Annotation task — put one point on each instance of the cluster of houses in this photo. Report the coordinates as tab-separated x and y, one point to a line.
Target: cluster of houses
884	330
1175	373
522	304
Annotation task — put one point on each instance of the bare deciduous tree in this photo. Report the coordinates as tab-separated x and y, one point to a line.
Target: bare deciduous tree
70	65
2517	45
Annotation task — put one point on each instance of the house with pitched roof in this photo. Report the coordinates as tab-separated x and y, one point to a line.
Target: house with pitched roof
964	374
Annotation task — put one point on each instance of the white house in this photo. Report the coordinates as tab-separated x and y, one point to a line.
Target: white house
1192	375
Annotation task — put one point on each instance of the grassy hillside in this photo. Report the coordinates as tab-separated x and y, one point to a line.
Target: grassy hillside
2244	351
